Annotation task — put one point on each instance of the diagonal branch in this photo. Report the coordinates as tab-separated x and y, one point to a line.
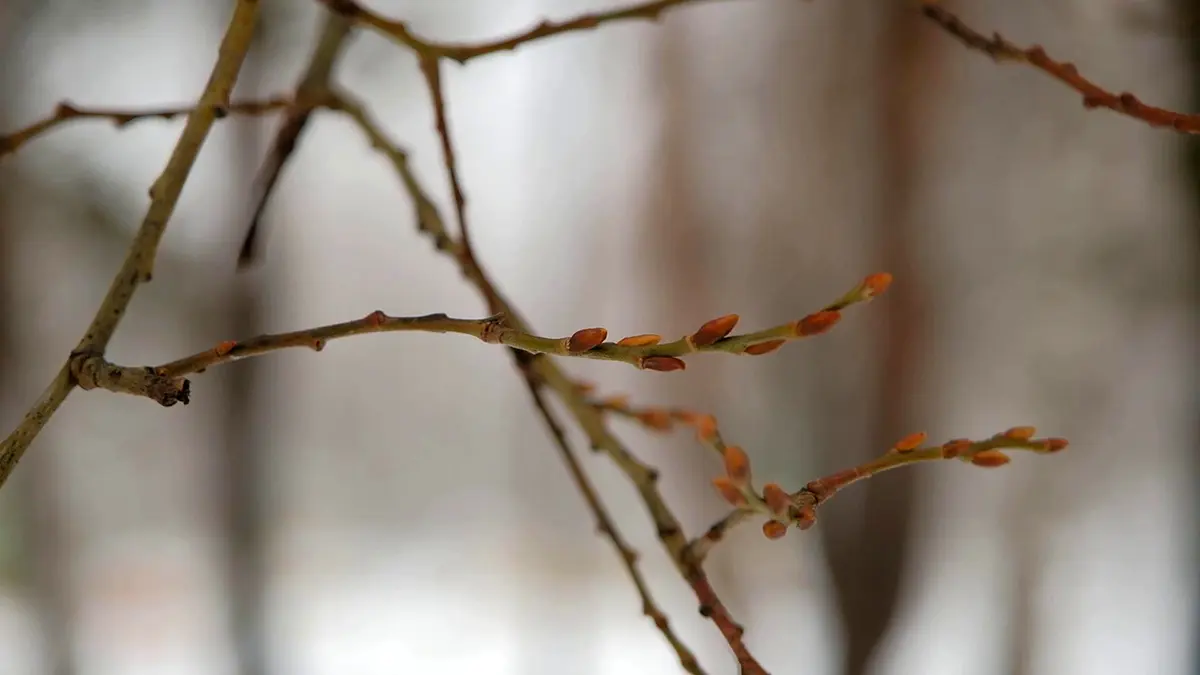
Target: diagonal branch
1094	96
335	32
604	521
591	420
139	262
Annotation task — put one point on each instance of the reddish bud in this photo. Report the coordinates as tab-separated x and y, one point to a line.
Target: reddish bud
774	529
910	442
815	324
990	459
1055	444
1020	433
806	518
656	419
714	330
764	347
663	364
777	499
730	492
585	339
956	447
706	426
225	347
645	340
737	464
317	345
376	318
875	284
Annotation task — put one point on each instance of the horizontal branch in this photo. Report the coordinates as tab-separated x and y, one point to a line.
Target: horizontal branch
399	32
642	351
1094	96
66	112
799	508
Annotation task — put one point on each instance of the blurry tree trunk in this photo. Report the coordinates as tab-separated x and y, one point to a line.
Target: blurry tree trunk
242	456
39	493
868	558
1188	12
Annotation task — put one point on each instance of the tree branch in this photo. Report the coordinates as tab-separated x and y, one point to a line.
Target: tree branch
399	32
604	521
314	84
1094	96
67	112
139	262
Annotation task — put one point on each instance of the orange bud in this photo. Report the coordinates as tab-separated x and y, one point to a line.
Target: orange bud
1020	433
875	284
777	499
225	347
1055	444
956	447
663	364
706	426
730	492
655	418
806	518
815	324
774	529
585	339
645	340
764	347
737	464
910	442
714	330
990	458
376	318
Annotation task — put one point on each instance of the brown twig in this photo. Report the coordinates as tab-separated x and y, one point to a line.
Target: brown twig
399	32
314	84
1094	96
604	522
800	508
66	112
590	419
94	372
139	262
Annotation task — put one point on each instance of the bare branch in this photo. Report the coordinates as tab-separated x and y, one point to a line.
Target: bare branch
399	32
1094	96
139	263
68	112
314	84
605	523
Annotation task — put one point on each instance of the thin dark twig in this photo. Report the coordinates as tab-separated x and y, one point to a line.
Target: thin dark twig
604	521
335	33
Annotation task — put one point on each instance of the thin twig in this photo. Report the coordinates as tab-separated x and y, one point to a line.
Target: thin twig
604	522
66	112
800	508
399	32
590	420
1094	96
139	262
314	84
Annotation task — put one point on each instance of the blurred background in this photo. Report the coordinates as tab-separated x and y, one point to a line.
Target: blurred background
394	505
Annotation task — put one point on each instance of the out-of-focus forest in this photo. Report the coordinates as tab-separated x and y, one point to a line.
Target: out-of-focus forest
393	504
